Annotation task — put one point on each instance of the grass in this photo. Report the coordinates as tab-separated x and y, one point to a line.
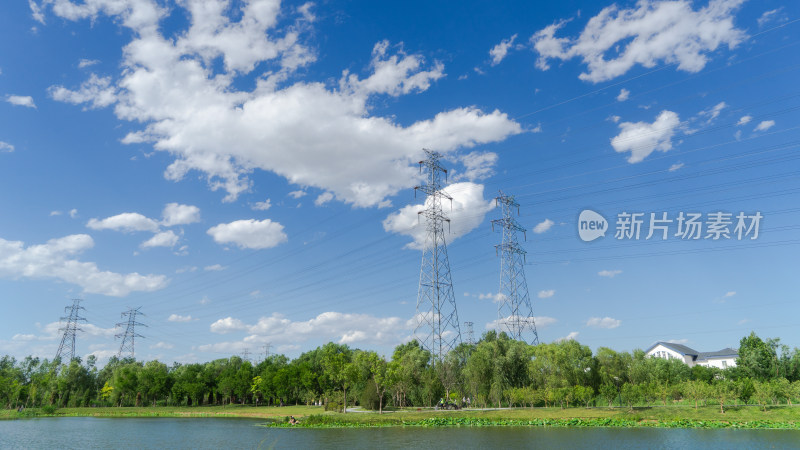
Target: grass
314	416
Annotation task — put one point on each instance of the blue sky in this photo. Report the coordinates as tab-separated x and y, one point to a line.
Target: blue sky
244	170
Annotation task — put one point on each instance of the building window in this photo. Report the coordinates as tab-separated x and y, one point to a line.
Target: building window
724	364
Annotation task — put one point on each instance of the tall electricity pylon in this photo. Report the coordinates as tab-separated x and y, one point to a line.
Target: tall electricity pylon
130	334
514	312
470	334
67	346
437	329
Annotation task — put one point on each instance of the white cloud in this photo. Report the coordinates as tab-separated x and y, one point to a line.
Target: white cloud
175	214
623	95
96	92
469	209
344	328
547	294
499	51
55	213
744	120
713	112
616	40
678	341
162	345
249	233
55	260
570	337
73	213
604	322
765	125
127	222
609	273
768	16
675	167
614	119
541	322
179	318
262	206
21	100
729	294
161	239
543	226
5	147
642	138
477	166
297	194
214	268
323	198
313	134
83	63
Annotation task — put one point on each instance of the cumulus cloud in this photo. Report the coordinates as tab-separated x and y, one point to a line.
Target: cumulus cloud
541	322
249	233
604	322
499	51
570	337
176	214
5	147
469	210
609	273
162	345
21	100
713	112
547	293
313	134
623	95
642	138
769	16
543	226
477	166
83	63
95	92
179	318
55	260
262	206
345	328
126	222
744	120
616	40
162	239
675	167
323	198
765	125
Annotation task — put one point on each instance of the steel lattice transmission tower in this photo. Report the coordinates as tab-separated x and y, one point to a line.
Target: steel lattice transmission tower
515	313
67	346
470	334
130	334
437	329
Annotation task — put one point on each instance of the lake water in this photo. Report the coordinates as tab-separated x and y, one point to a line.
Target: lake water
175	433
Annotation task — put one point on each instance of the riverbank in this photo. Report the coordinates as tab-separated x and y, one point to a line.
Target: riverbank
751	416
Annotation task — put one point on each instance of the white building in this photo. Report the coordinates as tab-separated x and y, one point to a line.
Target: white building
721	359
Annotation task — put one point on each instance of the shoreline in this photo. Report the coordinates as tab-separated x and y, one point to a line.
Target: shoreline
741	417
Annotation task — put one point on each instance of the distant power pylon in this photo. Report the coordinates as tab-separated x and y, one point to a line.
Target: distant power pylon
438	329
246	354
515	313
267	346
130	334
470	335
67	346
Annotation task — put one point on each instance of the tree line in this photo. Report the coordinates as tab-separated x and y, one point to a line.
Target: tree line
496	371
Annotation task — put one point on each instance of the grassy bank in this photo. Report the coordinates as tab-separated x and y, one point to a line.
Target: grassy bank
310	416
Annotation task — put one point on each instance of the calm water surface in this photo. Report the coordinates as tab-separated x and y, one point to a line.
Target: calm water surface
159	433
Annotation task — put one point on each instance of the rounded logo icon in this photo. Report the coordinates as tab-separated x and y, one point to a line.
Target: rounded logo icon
591	225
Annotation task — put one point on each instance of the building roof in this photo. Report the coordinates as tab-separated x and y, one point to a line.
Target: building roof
698	356
724	353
